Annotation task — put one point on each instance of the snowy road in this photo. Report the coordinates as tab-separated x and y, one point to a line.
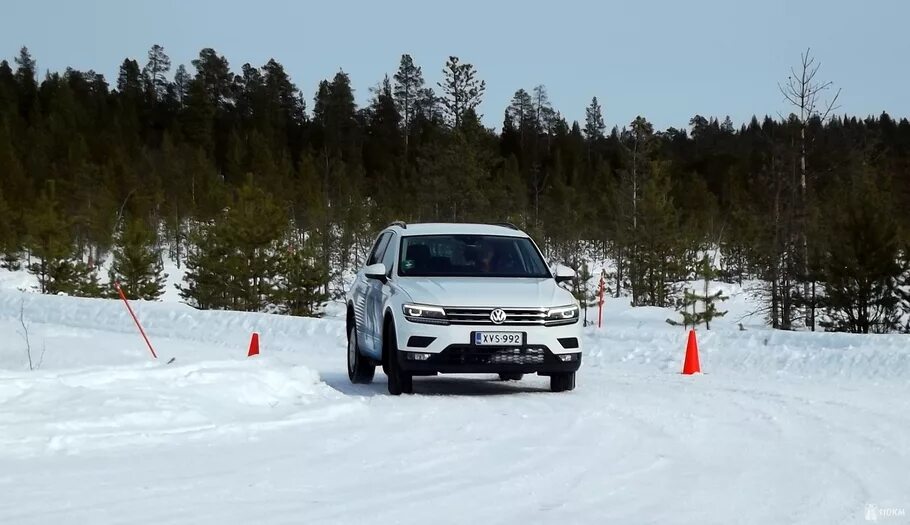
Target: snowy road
286	438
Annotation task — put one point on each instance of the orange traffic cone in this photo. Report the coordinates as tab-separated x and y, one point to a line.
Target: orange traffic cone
254	345
691	366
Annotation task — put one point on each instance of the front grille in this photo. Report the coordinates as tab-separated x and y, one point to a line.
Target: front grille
481	316
473	355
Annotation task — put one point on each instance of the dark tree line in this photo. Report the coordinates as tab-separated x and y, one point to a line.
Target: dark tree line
268	197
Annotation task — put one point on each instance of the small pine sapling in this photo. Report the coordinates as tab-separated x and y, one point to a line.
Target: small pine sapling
687	306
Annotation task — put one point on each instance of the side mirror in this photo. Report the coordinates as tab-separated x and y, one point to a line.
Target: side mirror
564	273
375	271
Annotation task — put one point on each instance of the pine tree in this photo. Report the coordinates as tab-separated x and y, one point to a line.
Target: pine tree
27	68
285	107
214	76
198	116
656	253
428	108
182	81
301	287
463	92
27	83
407	92
521	113
57	270
709	300
255	224
234	263
76	278
155	72
208	279
545	115
688	304
584	293
129	81
8	90
865	280
686	308
48	241
335	112
137	264
594	121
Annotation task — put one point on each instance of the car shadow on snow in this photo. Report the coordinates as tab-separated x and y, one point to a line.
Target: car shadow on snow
473	385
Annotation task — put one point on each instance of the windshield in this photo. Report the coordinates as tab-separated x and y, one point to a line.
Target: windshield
470	256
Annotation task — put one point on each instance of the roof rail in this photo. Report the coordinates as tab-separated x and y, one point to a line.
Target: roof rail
506	225
400	224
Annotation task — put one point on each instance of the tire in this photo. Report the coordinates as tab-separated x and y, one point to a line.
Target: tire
562	382
511	376
359	369
400	382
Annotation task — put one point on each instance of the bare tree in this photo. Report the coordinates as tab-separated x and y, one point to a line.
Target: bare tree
805	92
32	365
28	344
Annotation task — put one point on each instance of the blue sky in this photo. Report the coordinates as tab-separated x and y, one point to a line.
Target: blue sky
666	60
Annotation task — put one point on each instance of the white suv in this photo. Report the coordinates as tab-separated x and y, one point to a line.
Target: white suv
461	298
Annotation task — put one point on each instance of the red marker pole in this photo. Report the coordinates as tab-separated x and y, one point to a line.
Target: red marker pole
600	302
135	319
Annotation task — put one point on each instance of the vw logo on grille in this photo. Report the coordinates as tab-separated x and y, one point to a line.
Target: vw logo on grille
498	316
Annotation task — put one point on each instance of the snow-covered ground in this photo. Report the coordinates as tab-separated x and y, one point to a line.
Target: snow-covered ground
781	428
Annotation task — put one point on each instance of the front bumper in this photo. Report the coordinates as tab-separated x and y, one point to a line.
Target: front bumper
428	349
434	339
470	359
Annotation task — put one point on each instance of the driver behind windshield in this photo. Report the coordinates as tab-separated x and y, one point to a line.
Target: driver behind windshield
486	256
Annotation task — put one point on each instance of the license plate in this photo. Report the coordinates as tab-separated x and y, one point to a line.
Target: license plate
498	338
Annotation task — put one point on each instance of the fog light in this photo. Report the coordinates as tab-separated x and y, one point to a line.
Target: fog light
568	357
417	356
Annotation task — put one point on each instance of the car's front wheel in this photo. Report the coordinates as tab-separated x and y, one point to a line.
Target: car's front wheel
562	382
400	382
359	369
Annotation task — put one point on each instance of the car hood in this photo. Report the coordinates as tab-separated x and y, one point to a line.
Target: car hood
485	291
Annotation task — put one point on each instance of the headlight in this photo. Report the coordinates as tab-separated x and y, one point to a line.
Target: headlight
562	315
421	313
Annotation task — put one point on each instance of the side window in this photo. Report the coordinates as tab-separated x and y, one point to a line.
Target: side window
379	248
388	259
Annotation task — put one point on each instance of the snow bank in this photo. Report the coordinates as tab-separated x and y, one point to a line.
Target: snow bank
96	385
111	407
80	332
19	280
641	336
103	328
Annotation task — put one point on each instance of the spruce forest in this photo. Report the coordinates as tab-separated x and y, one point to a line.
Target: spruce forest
268	197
